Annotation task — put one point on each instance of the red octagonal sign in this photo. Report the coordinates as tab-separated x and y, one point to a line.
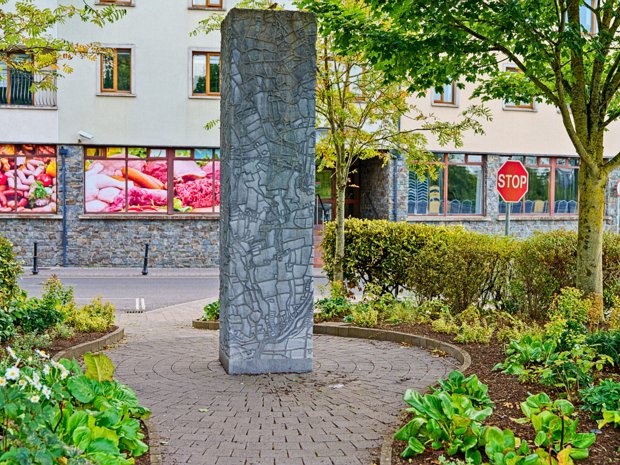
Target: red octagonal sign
512	181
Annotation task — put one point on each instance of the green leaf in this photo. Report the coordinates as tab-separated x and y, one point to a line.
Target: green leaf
99	367
541	438
103	445
81	388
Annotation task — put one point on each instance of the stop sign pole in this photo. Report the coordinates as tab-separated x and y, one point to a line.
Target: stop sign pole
512	185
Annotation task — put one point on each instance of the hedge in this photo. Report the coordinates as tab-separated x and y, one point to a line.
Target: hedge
464	267
9	273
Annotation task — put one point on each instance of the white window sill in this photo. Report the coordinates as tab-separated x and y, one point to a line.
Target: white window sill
115	94
444	105
30	216
206	8
123	216
121	5
205	97
27	107
527	110
539	217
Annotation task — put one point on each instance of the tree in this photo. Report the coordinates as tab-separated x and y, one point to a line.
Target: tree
28	44
361	114
566	51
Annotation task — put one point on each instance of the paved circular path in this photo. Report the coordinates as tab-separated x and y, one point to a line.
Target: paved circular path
338	414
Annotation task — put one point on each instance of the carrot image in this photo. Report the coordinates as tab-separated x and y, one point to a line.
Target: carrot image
145	180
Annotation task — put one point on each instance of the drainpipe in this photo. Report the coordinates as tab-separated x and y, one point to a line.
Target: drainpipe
395	159
63	153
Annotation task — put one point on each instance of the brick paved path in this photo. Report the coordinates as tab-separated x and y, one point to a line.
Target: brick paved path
336	415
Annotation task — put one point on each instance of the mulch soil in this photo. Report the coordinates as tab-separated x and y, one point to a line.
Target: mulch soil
59	345
507	392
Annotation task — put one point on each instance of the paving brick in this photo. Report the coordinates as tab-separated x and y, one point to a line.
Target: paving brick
336	415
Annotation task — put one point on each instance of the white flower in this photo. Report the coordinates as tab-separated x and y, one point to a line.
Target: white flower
46	370
23	383
2	382
46	392
34	399
12	373
41	353
63	372
35	377
11	353
29	359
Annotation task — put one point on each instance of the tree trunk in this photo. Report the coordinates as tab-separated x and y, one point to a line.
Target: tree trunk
590	241
340	200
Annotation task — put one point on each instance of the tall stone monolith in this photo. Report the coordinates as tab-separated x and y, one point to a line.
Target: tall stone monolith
267	191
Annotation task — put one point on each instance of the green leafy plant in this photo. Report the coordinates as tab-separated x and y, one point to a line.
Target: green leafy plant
443	420
364	316
333	307
604	396
503	448
9	273
96	316
211	311
7	328
470	386
475	333
605	343
52	412
610	417
556	438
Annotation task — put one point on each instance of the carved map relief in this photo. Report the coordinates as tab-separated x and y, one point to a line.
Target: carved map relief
267	193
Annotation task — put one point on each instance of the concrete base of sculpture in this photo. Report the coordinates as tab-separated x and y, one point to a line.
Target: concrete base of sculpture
268	61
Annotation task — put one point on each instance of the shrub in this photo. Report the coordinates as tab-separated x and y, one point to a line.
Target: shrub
35	315
211	311
364	316
606	343
9	273
478	333
605	396
7	328
94	317
444	324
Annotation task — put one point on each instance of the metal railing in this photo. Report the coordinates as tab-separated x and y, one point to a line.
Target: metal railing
16	88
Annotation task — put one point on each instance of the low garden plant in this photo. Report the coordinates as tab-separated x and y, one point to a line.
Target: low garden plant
211	311
55	412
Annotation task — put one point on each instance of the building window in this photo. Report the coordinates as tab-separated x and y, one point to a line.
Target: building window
447	96
587	17
527	104
205	73
27	179
151	180
116	71
553	187
456	188
15	83
207	4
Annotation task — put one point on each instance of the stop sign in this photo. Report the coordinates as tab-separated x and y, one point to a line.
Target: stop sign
512	181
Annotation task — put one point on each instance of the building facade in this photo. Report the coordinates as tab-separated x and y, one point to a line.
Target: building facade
118	157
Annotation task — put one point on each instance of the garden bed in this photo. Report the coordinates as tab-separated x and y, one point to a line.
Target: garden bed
507	393
65	344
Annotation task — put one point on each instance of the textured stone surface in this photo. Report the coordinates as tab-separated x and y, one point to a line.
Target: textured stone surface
267	197
338	414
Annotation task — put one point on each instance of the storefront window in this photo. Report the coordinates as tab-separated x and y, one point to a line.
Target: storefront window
455	187
151	180
28	179
552	187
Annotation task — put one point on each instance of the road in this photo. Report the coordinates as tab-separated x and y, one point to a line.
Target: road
128	290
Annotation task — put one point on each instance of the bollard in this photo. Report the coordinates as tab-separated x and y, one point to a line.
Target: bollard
145	267
35	259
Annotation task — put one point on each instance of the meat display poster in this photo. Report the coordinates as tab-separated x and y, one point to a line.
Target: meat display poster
140	180
28	178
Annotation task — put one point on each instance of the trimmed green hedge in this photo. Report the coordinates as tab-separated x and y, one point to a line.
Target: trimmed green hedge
464	267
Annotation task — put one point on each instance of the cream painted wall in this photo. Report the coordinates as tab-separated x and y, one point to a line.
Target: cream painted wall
538	132
160	112
29	124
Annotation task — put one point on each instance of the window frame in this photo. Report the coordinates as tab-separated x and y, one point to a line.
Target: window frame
552	166
207	54
8	82
29	156
445	163
209	5
517	107
441	102
115	91
594	28
169	158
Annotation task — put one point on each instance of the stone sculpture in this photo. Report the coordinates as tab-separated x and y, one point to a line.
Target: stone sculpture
268	82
